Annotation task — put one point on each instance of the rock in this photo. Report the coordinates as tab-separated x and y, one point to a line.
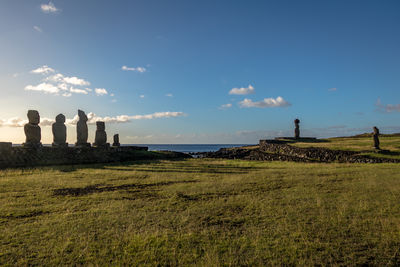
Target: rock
82	130
116	140
59	132
32	130
376	137
5	146
297	128
101	135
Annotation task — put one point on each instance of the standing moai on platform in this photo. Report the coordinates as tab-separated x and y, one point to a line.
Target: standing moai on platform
32	130
101	135
376	137
297	128
82	130
59	132
116	140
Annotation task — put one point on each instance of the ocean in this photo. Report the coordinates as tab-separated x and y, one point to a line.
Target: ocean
190	148
185	148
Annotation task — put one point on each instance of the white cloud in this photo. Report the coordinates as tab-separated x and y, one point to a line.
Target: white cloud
78	91
138	69
158	115
67	94
169	95
141	96
332	89
46	121
242	91
265	103
76	81
56	83
388	108
43	70
225	106
13	122
37	28
49	8
44	87
60	78
100	91
18	122
62	86
111	94
93	118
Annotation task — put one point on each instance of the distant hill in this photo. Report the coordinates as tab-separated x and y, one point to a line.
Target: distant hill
370	135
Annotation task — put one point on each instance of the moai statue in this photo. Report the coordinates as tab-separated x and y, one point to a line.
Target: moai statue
59	132
32	130
82	130
376	137
297	128
116	140
101	135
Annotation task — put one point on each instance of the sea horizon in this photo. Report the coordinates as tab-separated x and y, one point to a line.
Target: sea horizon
185	148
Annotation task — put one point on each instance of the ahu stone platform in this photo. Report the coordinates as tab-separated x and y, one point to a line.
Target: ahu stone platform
316	154
29	157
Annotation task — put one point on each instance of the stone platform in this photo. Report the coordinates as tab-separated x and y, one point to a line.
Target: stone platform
26	157
317	154
281	150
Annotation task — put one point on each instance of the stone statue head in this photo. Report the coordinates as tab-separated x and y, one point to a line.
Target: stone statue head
82	116
100	125
376	130
60	118
296	121
33	117
116	138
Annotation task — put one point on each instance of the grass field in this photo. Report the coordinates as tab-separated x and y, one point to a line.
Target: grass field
201	212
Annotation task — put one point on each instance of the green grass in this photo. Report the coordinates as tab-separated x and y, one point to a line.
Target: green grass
201	212
364	144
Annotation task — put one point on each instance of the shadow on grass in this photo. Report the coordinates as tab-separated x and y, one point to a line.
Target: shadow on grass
388	152
91	189
193	170
106	166
161	166
26	215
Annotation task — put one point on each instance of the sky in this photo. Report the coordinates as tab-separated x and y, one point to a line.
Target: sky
194	72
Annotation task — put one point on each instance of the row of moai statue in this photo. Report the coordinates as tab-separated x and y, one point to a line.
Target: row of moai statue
33	132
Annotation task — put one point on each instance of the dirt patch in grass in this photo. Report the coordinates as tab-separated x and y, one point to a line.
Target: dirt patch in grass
99	188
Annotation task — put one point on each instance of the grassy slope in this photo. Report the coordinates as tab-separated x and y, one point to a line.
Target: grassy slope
362	144
201	211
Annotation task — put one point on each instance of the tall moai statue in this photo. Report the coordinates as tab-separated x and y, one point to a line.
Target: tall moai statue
32	130
376	137
297	128
101	135
82	130
116	140
59	132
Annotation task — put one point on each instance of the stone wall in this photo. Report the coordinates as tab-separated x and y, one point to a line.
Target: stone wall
23	157
249	154
317	153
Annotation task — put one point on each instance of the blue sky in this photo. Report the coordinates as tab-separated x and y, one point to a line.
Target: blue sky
166	71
